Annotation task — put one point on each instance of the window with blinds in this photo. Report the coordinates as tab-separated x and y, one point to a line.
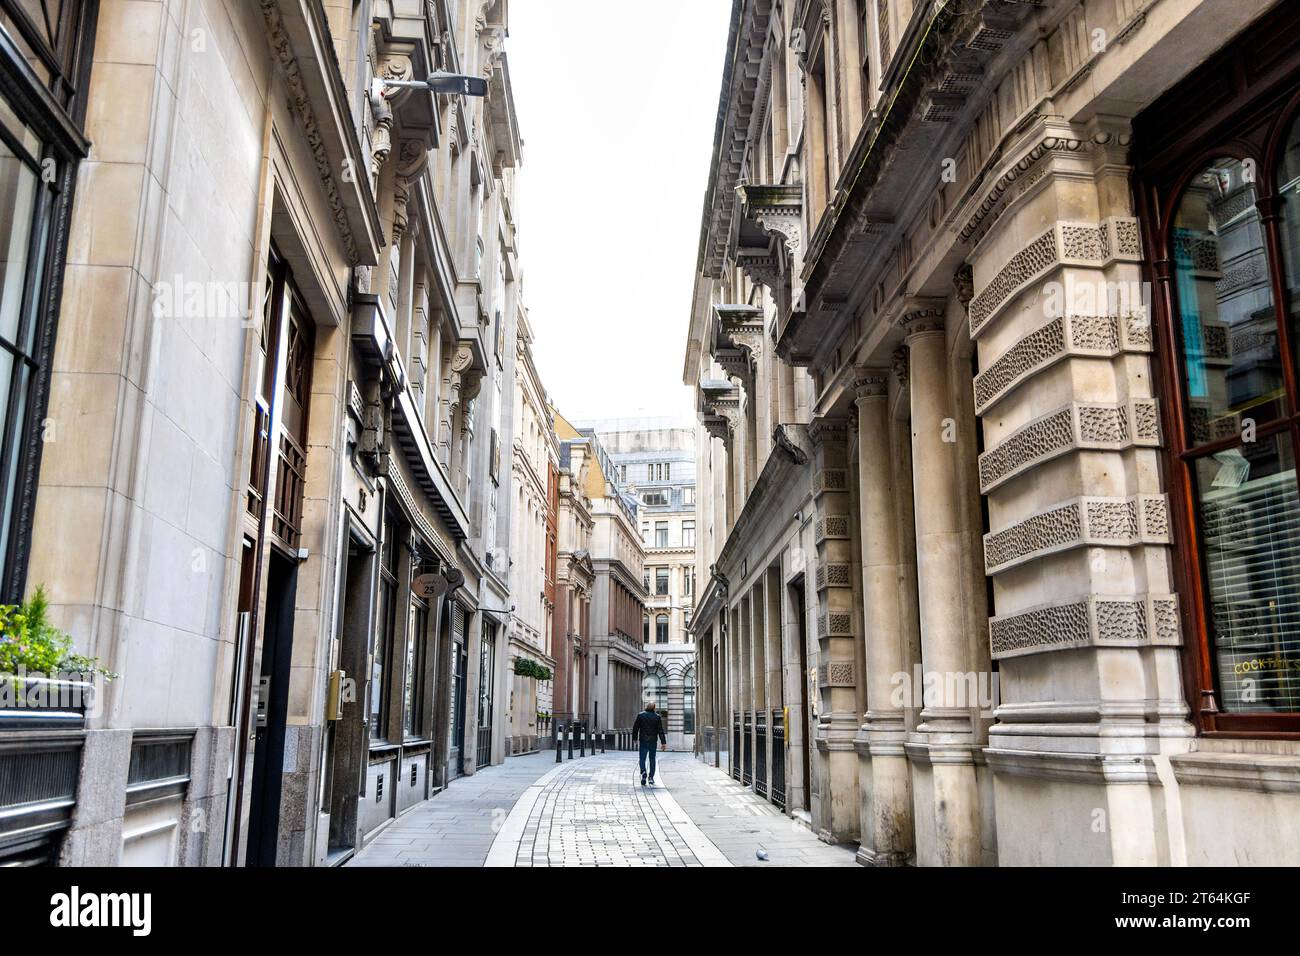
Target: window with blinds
1251	552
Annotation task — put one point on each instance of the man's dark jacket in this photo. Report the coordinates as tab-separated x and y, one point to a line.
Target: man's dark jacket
648	726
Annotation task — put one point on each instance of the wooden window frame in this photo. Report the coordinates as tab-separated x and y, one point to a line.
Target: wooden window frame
1247	98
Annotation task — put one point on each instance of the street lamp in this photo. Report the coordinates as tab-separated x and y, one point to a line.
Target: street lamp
439	82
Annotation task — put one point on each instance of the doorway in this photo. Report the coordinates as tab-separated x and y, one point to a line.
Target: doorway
347	754
270	710
800	632
459	673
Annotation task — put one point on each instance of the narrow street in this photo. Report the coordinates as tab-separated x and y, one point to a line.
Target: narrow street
592	811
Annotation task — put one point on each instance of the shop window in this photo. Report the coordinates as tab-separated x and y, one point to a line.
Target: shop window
414	690
1226	260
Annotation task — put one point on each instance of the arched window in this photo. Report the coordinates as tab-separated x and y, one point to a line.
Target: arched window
645	628
654	689
661	629
1225	252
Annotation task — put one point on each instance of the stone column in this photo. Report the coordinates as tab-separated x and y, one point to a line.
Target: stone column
758	663
735	702
887	826
738	455
717	669
945	772
835	813
775	657
718	477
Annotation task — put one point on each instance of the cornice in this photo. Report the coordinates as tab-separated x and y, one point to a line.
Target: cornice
295	32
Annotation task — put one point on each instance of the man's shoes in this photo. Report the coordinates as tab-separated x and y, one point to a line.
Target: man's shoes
652	781
643	778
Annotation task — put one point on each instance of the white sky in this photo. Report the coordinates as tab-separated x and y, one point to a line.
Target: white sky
616	103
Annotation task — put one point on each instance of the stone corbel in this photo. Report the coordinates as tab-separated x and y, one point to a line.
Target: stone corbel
963	284
373	447
491	40
739	329
899	365
719	408
481	15
762	267
736	365
381	137
412	159
777	210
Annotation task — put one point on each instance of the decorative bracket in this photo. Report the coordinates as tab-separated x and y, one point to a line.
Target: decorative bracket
776	209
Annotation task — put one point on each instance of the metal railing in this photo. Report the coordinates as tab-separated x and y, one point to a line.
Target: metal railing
747	752
760	753
778	758
735	745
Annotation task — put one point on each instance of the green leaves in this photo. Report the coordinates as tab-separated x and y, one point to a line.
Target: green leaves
526	668
30	643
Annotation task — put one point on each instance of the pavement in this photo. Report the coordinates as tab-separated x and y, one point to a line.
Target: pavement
593	811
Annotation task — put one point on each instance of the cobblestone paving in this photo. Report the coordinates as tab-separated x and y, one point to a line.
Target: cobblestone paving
457	827
593	811
596	813
740	823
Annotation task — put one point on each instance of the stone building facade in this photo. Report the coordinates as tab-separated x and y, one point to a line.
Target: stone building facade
997	427
254	455
656	460
534	472
575	578
615	660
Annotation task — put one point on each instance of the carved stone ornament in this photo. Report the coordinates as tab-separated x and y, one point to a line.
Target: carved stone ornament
462	360
777	210
921	315
282	46
898	363
963	283
869	383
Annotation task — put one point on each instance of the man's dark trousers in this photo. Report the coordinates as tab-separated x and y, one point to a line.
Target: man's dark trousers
649	747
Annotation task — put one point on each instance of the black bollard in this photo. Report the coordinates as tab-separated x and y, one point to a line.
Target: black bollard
559	754
569	734
582	741
602	741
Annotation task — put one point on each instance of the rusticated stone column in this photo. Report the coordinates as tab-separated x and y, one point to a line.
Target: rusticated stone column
944	754
836	811
886	811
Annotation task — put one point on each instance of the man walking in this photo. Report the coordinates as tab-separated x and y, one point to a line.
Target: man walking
649	730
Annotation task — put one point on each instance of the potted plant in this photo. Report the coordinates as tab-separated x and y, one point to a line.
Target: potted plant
44	682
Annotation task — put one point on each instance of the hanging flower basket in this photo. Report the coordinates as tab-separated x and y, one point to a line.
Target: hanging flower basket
526	668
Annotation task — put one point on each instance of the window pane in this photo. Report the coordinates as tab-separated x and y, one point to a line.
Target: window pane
17	202
378	670
1224	306
1289	189
414	689
9	462
1250	520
